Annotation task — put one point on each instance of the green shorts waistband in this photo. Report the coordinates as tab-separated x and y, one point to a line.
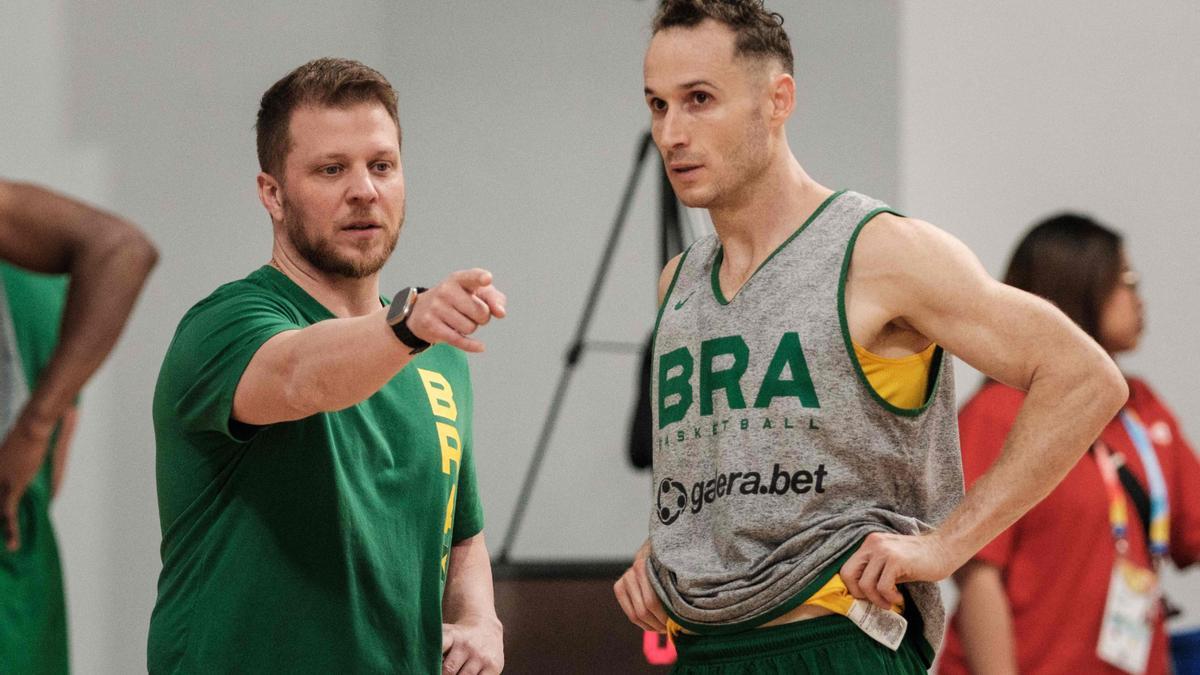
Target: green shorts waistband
766	642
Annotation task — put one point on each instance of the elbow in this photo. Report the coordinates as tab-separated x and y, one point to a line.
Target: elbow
146	253
117	244
139	253
1112	388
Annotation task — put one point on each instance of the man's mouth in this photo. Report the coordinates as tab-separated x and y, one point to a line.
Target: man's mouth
684	169
364	225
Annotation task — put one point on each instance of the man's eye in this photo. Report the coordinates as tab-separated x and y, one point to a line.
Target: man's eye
331	170
658	104
701	97
383	166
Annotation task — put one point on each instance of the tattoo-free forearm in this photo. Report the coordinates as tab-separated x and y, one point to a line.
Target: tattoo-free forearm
330	365
984	620
1040	449
469	594
337	363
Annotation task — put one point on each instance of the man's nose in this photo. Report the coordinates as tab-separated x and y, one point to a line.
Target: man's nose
362	187
672	131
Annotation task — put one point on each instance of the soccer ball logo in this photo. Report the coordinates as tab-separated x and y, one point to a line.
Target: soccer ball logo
670	504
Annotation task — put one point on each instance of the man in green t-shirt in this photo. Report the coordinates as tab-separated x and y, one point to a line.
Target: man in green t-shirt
44	362
316	481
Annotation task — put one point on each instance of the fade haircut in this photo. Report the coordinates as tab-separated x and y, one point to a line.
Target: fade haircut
760	33
326	82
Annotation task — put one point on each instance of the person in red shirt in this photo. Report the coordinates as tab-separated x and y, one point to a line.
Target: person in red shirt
1034	599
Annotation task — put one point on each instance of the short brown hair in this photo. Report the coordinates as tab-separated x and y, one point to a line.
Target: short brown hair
759	33
1072	261
325	82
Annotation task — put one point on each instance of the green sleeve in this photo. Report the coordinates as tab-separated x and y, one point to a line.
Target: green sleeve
211	350
468	510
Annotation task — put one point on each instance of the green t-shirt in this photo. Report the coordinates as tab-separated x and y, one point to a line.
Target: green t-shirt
318	545
33	618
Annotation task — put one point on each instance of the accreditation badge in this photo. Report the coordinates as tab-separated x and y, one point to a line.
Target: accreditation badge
1129	613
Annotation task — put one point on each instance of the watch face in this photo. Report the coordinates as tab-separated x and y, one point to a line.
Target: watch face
401	305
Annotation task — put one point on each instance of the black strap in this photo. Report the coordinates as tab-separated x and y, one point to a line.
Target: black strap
1141	502
1137	495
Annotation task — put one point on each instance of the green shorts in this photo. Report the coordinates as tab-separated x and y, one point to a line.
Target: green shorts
33	615
828	644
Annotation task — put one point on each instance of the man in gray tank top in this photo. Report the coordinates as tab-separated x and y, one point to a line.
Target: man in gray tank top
800	517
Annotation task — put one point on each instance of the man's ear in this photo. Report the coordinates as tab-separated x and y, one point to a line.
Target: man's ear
782	91
271	195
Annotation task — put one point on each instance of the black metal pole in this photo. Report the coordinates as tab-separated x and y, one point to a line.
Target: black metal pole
574	352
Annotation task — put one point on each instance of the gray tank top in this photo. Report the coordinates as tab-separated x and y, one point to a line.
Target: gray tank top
773	455
14	388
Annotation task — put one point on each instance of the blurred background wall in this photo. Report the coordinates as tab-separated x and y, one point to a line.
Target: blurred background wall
520	124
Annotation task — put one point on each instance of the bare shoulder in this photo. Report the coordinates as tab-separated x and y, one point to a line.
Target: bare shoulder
668	274
891	242
900	270
906	256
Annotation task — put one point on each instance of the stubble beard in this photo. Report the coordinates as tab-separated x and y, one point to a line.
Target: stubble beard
745	166
321	253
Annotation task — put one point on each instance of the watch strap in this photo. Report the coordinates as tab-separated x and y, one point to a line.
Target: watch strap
404	333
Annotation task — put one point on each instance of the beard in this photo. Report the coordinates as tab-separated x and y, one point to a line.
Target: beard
744	165
320	252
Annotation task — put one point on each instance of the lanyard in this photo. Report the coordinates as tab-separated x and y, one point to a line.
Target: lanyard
1160	513
1118	514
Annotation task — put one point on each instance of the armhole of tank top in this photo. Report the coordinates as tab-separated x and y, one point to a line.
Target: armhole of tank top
670	289
935	364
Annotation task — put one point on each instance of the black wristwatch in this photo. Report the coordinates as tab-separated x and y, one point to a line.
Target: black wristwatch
397	317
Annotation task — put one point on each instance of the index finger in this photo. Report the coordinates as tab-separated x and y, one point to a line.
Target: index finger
494	299
447	638
887	585
851	572
473	279
651	602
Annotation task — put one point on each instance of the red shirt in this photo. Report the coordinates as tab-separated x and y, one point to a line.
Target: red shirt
1056	561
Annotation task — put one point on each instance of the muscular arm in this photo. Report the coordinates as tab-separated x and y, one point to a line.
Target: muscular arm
472	637
985	620
634	593
1073	387
337	363
108	260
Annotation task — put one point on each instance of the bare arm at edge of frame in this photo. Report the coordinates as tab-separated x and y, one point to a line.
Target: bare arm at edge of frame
910	274
472	636
985	624
108	260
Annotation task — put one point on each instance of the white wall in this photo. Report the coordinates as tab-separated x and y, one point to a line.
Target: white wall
1011	111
